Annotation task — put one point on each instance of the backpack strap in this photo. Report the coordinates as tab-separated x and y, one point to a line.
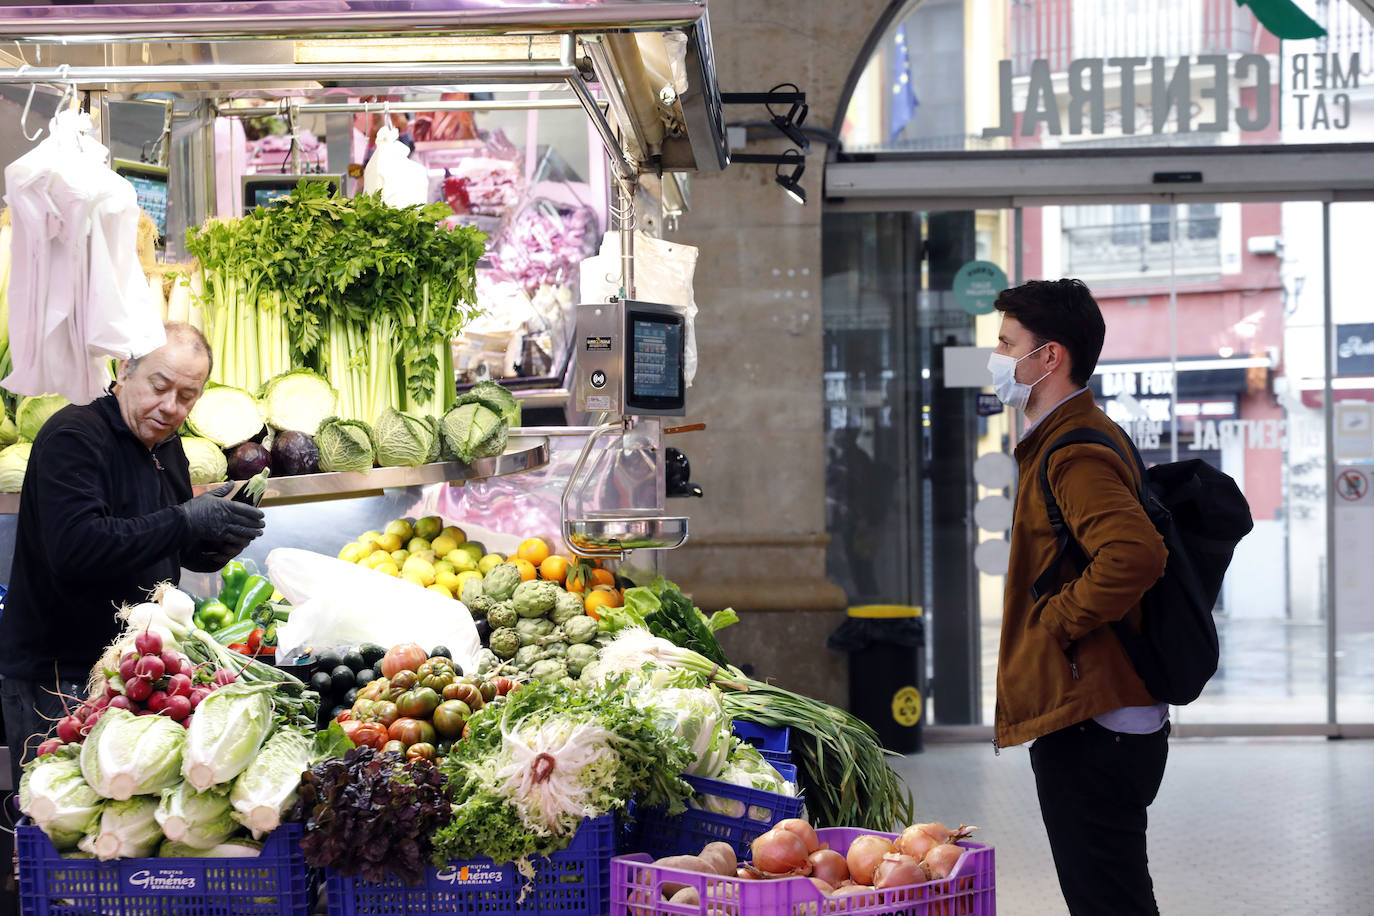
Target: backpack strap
1064	540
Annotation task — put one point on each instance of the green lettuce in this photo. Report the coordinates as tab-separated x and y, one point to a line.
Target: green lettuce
745	767
14	462
208	464
236	848
127	755
53	792
128	828
33	412
694	714
197	819
229	727
264	791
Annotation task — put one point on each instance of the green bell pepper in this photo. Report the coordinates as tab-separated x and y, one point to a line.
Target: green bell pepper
234	574
256	591
215	615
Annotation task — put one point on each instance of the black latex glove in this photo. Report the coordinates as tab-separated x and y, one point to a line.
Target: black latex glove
211	557
217	520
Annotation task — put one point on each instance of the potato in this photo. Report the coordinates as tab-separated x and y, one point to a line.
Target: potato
686	896
721	857
682	863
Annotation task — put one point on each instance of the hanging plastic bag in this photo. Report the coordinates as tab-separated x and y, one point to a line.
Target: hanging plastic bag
403	183
664	273
337	604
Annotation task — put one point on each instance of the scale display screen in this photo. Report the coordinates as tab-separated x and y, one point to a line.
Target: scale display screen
151	188
655	360
267	190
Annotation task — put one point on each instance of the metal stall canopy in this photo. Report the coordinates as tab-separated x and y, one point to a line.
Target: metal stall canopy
652	58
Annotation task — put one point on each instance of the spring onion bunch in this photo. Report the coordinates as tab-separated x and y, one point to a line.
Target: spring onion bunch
841	766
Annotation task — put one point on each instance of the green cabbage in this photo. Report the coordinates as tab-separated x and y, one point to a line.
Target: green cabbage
226	732
200	820
33	412
208	464
694	714
14	461
299	400
268	787
53	792
9	433
226	416
237	848
745	767
402	440
494	397
127	755
436	444
345	445
472	431
128	829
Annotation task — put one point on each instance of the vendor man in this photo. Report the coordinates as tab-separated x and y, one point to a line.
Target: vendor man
106	513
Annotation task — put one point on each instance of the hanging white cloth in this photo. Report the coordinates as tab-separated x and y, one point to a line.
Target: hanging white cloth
402	181
77	292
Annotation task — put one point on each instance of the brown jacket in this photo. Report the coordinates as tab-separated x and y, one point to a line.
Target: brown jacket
1043	641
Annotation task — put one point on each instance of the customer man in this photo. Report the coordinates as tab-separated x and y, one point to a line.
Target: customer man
1063	680
106	512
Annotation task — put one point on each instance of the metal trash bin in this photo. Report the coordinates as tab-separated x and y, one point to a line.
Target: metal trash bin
886	646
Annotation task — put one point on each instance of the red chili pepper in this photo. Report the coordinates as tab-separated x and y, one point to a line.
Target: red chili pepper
240	647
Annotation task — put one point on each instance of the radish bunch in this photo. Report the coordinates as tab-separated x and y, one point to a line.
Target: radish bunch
150	680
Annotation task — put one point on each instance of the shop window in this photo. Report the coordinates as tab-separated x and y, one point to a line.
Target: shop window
1131	241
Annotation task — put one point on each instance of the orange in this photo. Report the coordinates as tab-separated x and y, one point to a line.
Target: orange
554	568
527	570
536	550
601	597
602	577
579	577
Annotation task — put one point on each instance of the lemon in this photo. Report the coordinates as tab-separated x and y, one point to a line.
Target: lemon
368	536
377	556
400	556
460	559
436	587
448	580
388	567
402	528
473	549
444	545
453	531
418	544
420	568
390	542
352	553
443	566
411	577
489	562
429	527
463	577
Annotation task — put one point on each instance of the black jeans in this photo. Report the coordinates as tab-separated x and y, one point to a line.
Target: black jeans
1094	786
31	710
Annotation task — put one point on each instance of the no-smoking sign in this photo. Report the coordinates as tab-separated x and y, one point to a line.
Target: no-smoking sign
1352	485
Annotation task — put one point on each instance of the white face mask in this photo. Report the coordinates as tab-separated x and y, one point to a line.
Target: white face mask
1009	391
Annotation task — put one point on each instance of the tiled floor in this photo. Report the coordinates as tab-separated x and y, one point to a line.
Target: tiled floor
1240	827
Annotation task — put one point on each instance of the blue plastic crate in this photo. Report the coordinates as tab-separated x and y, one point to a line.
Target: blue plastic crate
573	882
275	883
774	744
660	834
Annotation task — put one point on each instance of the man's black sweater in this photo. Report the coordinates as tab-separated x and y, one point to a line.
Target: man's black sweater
98	527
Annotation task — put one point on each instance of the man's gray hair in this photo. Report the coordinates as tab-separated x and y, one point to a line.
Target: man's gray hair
184	333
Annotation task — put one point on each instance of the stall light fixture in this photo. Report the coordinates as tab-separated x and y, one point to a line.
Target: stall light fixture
791	183
789	124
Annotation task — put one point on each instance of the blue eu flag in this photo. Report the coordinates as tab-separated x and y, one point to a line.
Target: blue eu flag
903	104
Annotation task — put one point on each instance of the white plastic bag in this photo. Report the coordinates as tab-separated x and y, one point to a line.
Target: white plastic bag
403	183
664	273
339	604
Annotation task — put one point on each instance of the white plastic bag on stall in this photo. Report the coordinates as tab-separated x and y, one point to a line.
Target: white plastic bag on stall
403	183
664	273
337	604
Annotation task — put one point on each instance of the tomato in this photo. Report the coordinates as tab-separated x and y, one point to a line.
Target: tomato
438	681
422	750
364	710
255	639
418	703
412	731
344	716
437	665
371	734
385	712
468	693
407	656
240	647
488	690
350	728
450	718
394	747
503	685
376	690
401	683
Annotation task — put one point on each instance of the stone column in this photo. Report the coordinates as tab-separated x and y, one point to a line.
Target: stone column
758	537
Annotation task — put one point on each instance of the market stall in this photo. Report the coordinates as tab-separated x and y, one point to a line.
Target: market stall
449	679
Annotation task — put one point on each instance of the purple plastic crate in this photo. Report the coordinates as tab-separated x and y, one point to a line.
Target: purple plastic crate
275	883
572	882
636	889
659	834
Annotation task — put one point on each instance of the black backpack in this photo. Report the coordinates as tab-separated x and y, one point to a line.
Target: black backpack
1201	515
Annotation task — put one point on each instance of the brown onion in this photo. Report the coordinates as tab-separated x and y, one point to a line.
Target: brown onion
915	842
941	860
829	866
864	855
823	886
856	889
780	852
897	870
746	874
802	829
935	830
